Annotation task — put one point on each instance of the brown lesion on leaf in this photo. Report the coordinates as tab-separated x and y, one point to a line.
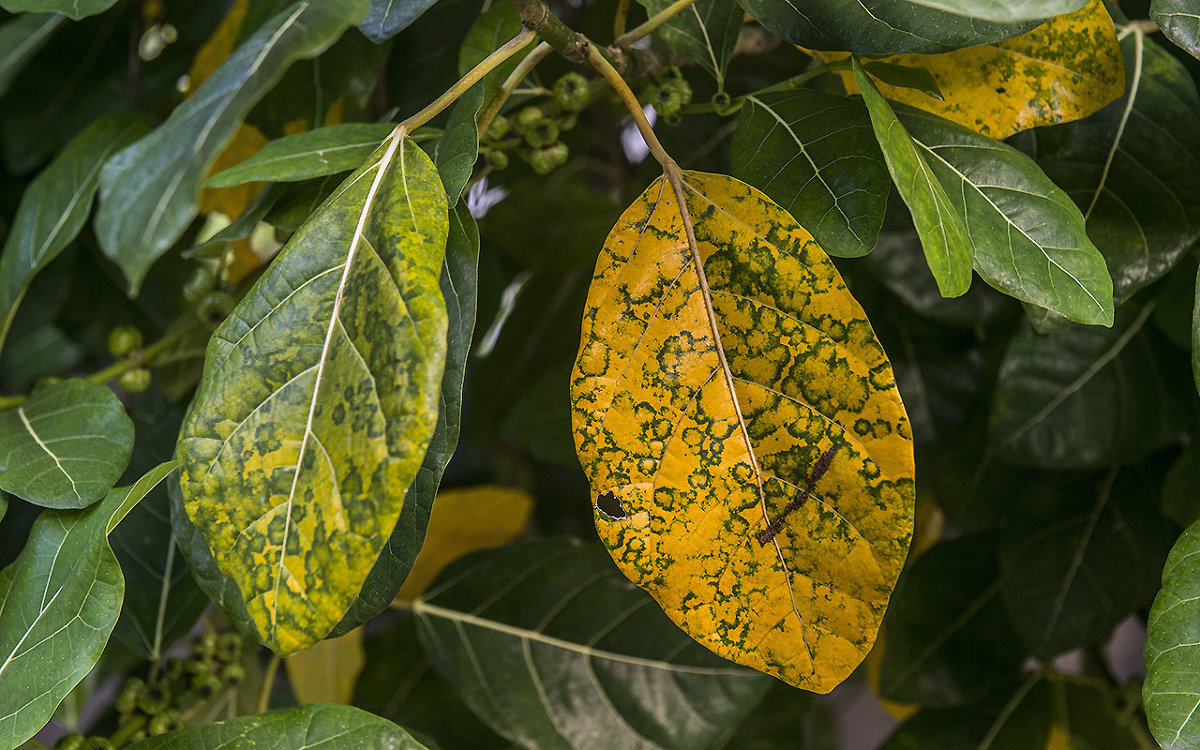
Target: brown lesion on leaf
819	468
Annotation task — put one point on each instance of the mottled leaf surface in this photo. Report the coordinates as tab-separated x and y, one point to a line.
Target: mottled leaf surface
56	204
313	153
1171	692
814	154
881	27
1087	397
386	18
706	32
75	9
1068	577
149	191
20	40
942	229
66	446
554	649
59	601
318	725
1063	70
1179	21
319	399
458	282
1030	239
762	465
1131	167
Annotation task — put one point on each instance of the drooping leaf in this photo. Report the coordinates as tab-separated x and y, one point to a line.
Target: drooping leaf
1029	238
313	153
148	193
1130	167
1063	70
315	725
1018	717
1171	692
1088	397
56	204
463	521
319	400
706	32
946	607
456	151
20	40
74	9
1068	577
60	600
327	671
553	649
386	18
882	27
813	153
1179	21
901	75
942	229
749	457
66	446
458	283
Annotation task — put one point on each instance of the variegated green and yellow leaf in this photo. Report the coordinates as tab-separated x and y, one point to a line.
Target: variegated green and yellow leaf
319	398
1065	69
709	403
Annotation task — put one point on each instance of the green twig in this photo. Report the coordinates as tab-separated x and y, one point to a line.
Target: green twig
658	19
523	69
264	693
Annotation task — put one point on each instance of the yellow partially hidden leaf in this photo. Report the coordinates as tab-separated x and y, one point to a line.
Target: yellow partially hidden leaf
466	520
1065	69
218	47
326	672
741	429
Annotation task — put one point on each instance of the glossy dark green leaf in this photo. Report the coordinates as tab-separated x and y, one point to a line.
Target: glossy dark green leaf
56	204
785	718
75	9
948	642
1171	692
706	32
814	154
425	56
1029	239
20	40
60	600
386	18
1088	397
1131	167
907	76
320	397
553	648
1069	576
1090	719
459	282
313	153
881	27
399	684
939	223
322	725
1017	718
1179	21
149	191
66	446
456	151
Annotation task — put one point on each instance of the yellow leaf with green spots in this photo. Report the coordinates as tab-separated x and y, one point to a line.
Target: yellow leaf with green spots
1065	69
741	429
319	397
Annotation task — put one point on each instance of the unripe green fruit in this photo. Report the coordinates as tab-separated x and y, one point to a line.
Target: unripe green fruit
496	159
721	101
229	647
232	674
205	645
666	101
124	340
131	693
97	743
571	92
200	283
154	699
69	742
546	160
567	121
215	307
167	721
497	129
543	133
198	665
135	380
206	686
527	118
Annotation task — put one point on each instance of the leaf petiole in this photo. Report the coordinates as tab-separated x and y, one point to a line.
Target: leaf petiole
610	74
523	69
658	19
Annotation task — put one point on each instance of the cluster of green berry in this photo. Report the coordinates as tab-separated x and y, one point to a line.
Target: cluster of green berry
537	129
212	304
668	92
157	707
125	342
